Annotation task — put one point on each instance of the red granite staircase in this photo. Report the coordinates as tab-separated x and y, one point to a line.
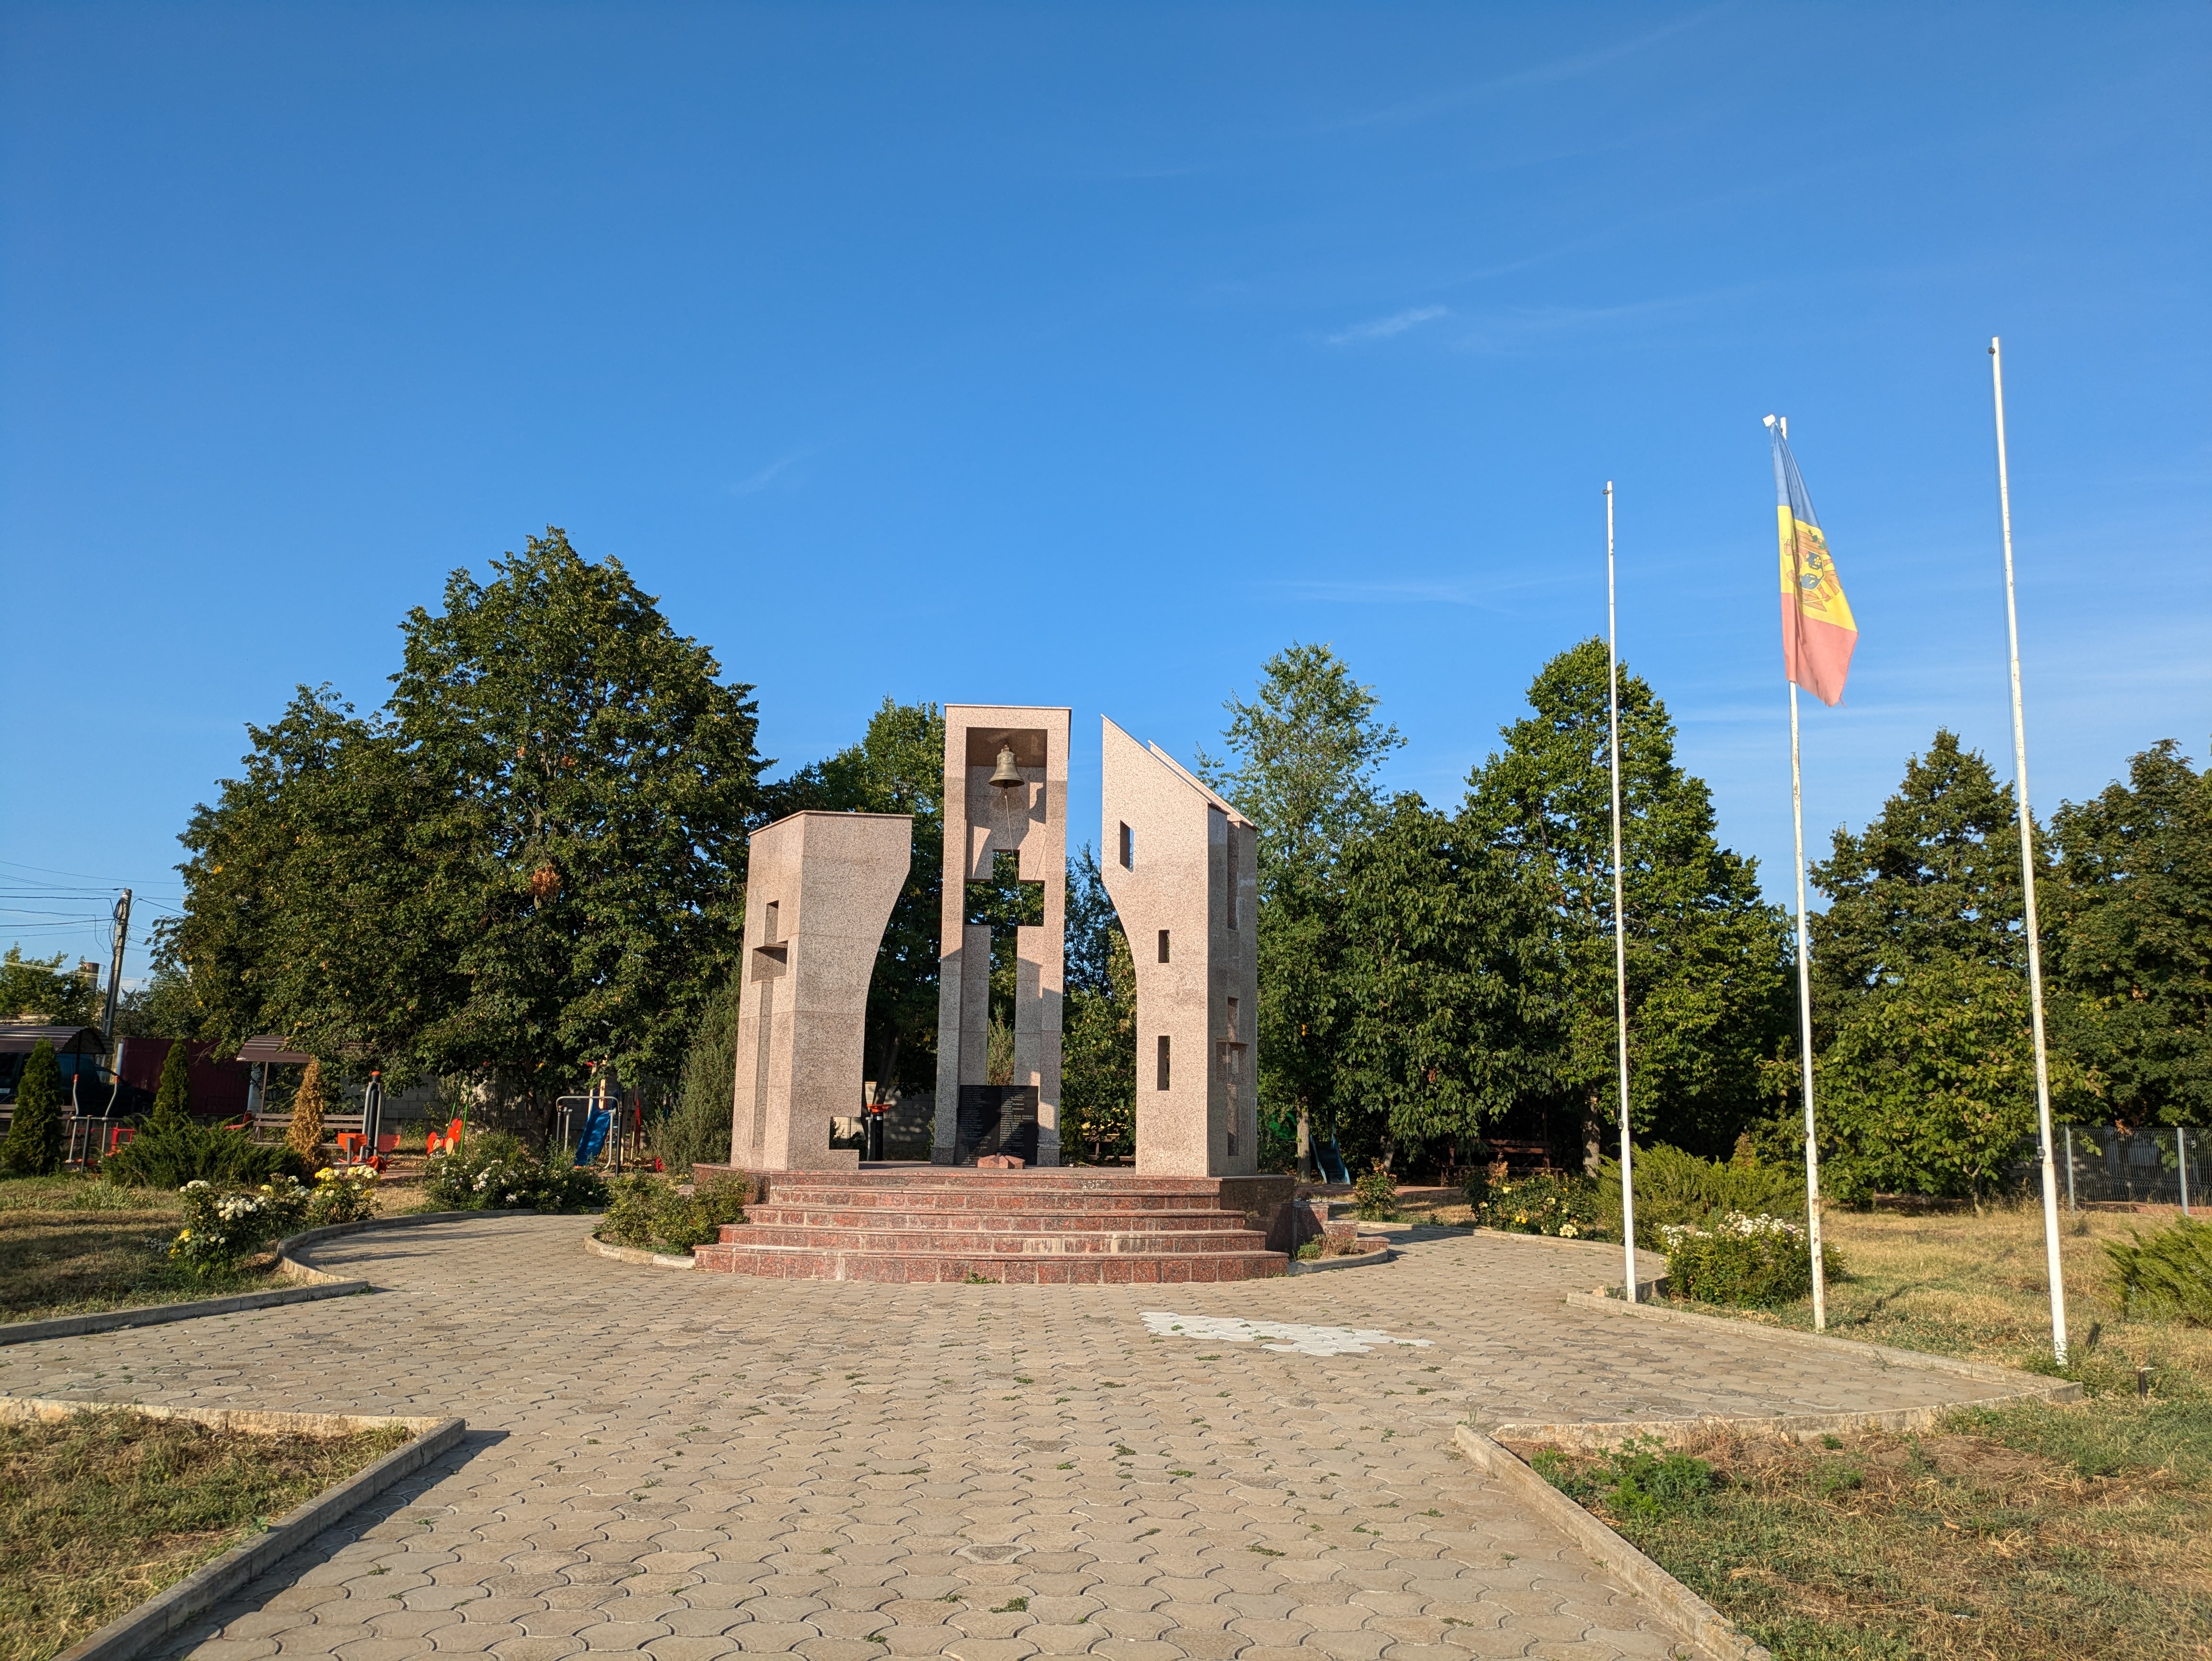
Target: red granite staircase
1045	1226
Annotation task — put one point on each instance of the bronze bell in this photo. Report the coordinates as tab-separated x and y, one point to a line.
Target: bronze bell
1006	775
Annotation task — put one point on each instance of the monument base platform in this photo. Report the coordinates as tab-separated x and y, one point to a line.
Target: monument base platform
1056	1226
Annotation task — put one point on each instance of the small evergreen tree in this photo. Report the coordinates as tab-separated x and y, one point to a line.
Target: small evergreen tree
34	1148
173	1099
305	1138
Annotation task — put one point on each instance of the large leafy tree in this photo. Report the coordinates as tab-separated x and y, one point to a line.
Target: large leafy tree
897	767
36	990
1934	878
1707	959
1441	995
532	858
1303	753
2130	923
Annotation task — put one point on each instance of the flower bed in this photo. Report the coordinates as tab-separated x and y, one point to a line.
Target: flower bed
1759	1261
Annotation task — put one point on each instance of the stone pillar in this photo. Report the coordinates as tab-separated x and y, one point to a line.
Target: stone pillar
1027	822
1182	867
819	888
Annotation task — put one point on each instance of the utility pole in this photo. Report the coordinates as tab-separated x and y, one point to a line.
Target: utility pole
115	971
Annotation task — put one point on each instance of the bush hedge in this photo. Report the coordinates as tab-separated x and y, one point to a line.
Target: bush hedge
1547	1202
2169	1275
492	1171
647	1212
1755	1261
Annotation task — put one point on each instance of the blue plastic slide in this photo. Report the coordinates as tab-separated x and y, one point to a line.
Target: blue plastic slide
1330	1163
596	1125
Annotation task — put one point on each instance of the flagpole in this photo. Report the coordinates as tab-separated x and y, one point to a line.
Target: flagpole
2027	878
1620	910
1805	999
1805	1037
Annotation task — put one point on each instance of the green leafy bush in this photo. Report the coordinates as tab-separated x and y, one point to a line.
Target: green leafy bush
2169	1275
34	1148
647	1212
1543	1203
222	1227
1756	1261
1680	1190
492	1171
172	1151
1375	1196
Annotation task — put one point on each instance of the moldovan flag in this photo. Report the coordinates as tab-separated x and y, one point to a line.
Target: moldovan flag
1818	632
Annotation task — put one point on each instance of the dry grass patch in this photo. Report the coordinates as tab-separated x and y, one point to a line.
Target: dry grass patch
2073	1533
70	1245
100	1512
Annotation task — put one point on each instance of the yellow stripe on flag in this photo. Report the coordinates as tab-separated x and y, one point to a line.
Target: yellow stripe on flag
1809	575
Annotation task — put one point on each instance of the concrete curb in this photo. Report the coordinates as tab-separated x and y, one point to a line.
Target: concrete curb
287	1264
153	1621
623	1254
1323	1265
1713	1633
2022	1383
73	1326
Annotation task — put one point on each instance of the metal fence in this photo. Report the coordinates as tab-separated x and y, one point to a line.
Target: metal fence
2161	1164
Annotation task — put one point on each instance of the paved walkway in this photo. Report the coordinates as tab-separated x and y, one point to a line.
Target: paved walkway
694	1466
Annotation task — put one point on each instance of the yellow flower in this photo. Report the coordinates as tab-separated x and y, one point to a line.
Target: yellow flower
187	1235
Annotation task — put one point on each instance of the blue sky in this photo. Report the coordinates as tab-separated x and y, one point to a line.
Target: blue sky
1087	355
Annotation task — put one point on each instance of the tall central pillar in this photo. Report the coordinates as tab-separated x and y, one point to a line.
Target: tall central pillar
1003	943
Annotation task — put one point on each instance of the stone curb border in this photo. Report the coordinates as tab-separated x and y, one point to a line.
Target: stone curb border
2023	1383
1712	1632
623	1254
1323	1265
74	1326
293	1268
139	1631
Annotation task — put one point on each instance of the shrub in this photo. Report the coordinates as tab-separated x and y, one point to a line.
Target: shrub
221	1227
1679	1188
342	1195
2169	1274
1544	1203
695	1129
34	1148
173	1096
305	1137
1759	1261
491	1170
647	1212
170	1153
1375	1196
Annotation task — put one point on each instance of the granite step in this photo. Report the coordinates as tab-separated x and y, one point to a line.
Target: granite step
809	1215
962	1240
1048	1268
992	1197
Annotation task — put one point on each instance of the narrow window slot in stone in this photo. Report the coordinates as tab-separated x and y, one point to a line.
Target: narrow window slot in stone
1163	1061
1163	946
1128	848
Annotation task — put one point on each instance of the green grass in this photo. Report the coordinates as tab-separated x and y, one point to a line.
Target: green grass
2070	1532
100	1512
2077	1533
71	1245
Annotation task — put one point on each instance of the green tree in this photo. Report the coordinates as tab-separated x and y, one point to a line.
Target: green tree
697	1128
532	859
1441	981
34	1146
1929	1085
36	990
897	767
173	1096
2132	936
1303	754
304	1137
1707	958
1934	878
1098	1038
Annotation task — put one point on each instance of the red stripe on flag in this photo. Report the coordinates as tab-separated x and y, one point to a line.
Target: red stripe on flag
1816	656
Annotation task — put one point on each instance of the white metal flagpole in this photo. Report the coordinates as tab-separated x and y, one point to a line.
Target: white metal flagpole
2027	879
1805	1012
1619	912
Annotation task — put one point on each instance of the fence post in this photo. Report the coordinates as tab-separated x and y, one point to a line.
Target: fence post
2070	1206
2181	1164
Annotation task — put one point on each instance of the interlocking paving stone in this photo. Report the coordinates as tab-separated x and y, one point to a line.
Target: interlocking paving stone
697	1466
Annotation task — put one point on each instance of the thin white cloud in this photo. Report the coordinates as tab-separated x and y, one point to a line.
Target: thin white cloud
754	483
1383	328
